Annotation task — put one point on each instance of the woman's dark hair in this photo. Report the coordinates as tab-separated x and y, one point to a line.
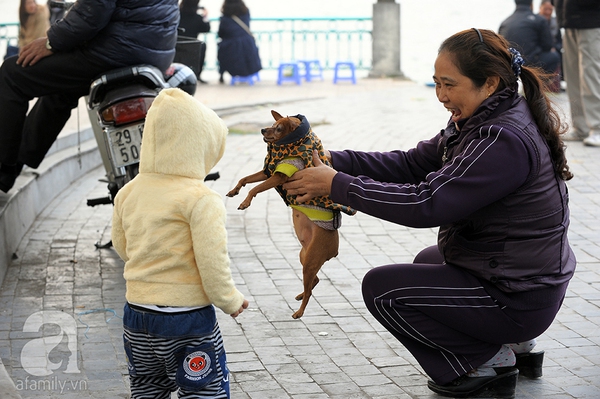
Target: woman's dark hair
189	6
234	7
23	15
480	54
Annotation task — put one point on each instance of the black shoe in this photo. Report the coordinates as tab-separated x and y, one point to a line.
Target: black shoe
502	385
204	82
8	175
530	364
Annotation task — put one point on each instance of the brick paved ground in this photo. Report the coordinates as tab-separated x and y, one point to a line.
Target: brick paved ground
336	350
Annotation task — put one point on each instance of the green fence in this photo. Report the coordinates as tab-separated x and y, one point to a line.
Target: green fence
9	33
285	39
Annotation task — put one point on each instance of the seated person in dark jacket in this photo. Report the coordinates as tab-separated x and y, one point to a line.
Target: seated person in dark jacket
95	36
530	34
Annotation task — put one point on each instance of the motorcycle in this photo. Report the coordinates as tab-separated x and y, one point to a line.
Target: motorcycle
117	106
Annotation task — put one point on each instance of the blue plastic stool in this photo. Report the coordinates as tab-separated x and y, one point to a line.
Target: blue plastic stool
312	69
295	75
343	65
250	79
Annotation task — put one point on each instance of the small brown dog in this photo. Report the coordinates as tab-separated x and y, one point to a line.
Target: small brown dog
290	148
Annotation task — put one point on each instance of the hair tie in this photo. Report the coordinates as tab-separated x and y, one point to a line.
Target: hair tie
516	61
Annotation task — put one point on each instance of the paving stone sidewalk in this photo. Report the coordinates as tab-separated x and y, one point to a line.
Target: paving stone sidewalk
336	350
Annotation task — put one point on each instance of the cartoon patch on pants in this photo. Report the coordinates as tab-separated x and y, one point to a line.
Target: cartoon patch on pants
198	367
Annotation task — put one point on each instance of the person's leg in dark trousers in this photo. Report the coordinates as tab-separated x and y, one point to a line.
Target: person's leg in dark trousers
58	81
444	317
43	124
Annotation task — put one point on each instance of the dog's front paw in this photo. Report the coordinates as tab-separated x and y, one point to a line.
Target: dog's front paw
244	205
233	192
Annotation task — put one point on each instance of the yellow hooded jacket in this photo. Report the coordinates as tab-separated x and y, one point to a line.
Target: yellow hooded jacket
168	226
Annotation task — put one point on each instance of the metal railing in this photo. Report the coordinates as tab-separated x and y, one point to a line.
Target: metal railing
9	33
285	39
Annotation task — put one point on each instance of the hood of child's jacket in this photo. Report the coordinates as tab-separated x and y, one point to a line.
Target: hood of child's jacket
181	137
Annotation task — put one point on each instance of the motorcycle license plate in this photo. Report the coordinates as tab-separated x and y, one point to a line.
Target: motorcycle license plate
125	144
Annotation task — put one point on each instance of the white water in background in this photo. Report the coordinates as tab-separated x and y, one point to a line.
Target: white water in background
424	23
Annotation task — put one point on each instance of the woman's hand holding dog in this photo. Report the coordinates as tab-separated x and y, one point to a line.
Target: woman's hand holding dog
311	182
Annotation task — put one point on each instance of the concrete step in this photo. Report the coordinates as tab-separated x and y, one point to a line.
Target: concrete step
72	155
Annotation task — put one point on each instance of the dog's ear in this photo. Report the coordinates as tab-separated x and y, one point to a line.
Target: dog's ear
276	115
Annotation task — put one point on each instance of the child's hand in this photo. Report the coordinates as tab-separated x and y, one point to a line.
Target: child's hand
241	309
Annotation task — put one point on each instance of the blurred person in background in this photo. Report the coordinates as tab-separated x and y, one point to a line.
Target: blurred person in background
237	53
581	66
547	11
194	20
191	20
34	21
530	34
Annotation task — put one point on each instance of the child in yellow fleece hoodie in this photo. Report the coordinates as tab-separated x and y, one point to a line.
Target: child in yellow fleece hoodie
169	228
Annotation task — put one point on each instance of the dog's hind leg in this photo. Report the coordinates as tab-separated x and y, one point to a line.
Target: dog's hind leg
318	246
316	280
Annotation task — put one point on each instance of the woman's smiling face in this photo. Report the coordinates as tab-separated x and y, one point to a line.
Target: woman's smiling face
457	92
